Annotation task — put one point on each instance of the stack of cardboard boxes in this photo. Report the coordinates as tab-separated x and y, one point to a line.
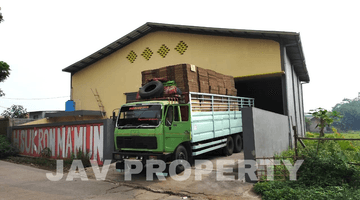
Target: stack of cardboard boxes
186	79
190	78
203	78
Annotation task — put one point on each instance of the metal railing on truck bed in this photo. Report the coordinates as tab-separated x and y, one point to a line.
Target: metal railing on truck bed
215	116
203	102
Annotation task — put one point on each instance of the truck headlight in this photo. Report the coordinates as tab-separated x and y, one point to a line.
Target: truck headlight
117	156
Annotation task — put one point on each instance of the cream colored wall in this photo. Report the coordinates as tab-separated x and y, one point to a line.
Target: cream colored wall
115	75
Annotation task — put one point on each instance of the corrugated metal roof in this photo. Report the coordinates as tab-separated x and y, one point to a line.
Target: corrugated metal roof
290	39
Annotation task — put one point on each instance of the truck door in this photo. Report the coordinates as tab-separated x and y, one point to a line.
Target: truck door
177	126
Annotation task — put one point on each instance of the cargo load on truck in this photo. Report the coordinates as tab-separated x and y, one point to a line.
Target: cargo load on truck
190	78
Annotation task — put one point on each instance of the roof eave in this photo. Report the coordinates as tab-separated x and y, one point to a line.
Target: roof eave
290	38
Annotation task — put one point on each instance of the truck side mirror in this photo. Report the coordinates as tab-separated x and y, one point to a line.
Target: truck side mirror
113	116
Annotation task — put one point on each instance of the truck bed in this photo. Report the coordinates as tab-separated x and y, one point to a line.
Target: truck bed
214	116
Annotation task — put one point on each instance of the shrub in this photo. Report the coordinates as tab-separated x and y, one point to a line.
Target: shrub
327	168
84	157
45	153
6	148
80	155
325	174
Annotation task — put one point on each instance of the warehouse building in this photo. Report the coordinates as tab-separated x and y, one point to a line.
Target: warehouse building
267	65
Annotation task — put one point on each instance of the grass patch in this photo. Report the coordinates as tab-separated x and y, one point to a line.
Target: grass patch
353	134
45	162
39	162
9	153
325	174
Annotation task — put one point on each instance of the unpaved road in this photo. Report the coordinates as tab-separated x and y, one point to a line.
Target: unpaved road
25	182
19	181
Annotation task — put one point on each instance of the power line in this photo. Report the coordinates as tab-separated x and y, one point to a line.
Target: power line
35	98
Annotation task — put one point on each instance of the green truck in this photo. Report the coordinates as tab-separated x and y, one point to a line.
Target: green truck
171	129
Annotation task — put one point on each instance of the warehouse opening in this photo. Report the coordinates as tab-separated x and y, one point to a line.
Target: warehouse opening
267	92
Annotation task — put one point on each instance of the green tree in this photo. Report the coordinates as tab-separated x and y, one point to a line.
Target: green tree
350	109
4	73
1	17
326	118
15	111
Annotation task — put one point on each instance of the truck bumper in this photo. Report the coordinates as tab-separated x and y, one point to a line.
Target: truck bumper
120	156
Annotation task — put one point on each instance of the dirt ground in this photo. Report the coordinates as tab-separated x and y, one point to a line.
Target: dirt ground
25	182
209	187
39	163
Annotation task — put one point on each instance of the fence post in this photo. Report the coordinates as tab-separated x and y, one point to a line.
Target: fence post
296	139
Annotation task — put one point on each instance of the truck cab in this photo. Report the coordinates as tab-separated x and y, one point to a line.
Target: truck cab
151	129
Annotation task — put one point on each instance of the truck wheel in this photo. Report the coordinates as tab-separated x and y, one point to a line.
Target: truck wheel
229	148
181	154
237	143
151	89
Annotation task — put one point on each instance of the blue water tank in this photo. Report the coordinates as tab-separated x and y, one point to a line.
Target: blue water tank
70	106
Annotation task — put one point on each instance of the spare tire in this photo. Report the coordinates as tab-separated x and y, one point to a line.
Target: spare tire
151	89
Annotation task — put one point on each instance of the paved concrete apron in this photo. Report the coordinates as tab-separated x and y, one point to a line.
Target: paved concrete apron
208	187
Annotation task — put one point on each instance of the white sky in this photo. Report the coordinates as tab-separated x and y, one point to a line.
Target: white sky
40	38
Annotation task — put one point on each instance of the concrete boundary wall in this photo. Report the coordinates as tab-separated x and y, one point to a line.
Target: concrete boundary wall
6	123
64	139
264	133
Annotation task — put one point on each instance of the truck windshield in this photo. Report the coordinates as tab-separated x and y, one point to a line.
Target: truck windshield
139	116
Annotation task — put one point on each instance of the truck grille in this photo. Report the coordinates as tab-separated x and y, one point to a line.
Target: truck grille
137	142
